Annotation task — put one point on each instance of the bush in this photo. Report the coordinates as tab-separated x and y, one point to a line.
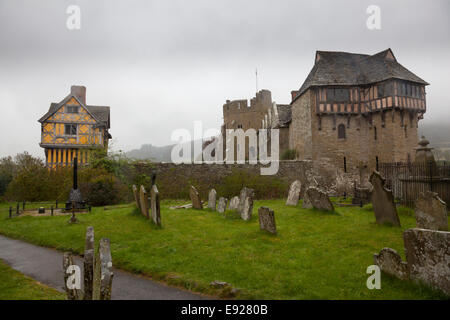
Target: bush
289	154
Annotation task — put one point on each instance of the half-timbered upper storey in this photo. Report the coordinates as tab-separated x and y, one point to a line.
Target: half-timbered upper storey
359	83
71	126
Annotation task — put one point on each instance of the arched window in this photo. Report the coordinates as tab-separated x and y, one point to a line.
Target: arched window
341	131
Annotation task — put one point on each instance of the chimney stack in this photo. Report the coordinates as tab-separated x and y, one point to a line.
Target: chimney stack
79	92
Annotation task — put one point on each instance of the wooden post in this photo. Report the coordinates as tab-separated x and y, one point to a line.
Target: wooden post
10	212
51	211
56	204
17	208
72	294
23	205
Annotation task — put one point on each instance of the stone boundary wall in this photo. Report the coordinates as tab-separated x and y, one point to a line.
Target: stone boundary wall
174	180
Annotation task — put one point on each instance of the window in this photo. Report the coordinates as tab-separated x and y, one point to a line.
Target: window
70	129
72	109
375	133
338	95
345	164
384	90
341	131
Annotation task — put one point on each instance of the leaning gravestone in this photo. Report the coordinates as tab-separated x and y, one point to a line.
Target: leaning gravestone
390	262
428	257
318	199
247	209
144	202
98	273
222	206
234	203
267	220
136	197
156	209
431	212
195	198
212	199
383	201
245	192
294	193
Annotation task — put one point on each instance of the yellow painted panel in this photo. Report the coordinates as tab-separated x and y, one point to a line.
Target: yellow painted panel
64	157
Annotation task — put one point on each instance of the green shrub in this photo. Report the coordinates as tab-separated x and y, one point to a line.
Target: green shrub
289	154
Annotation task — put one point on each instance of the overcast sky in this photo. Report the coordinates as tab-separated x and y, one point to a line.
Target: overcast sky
160	65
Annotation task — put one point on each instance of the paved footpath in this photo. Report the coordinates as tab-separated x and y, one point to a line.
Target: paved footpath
45	265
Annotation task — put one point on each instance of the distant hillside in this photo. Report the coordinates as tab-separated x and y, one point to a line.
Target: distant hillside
156	154
151	152
437	133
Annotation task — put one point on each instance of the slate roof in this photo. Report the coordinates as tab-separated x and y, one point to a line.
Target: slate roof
344	68
100	113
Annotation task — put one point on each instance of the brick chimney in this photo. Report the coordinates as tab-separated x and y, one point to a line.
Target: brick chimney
294	94
79	92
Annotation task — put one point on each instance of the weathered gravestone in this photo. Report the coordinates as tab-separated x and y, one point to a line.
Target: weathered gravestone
306	203
267	220
222	206
103	274
294	193
212	200
431	212
234	203
245	192
195	198
69	268
156	209
89	253
428	257
318	199
383	201
144	202
247	209
136	197
98	273
390	262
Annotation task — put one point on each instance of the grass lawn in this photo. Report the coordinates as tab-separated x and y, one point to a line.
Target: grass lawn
315	255
16	286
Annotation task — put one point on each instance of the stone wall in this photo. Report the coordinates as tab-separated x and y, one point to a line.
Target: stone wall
228	179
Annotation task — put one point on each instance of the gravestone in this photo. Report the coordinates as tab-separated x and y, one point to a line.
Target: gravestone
98	273
294	193
144	201
267	220
383	201
136	197
390	262
245	192
212	200
72	293
234	203
306	204
222	206
89	253
103	274
318	199
431	212
156	209
428	257
195	198
247	209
